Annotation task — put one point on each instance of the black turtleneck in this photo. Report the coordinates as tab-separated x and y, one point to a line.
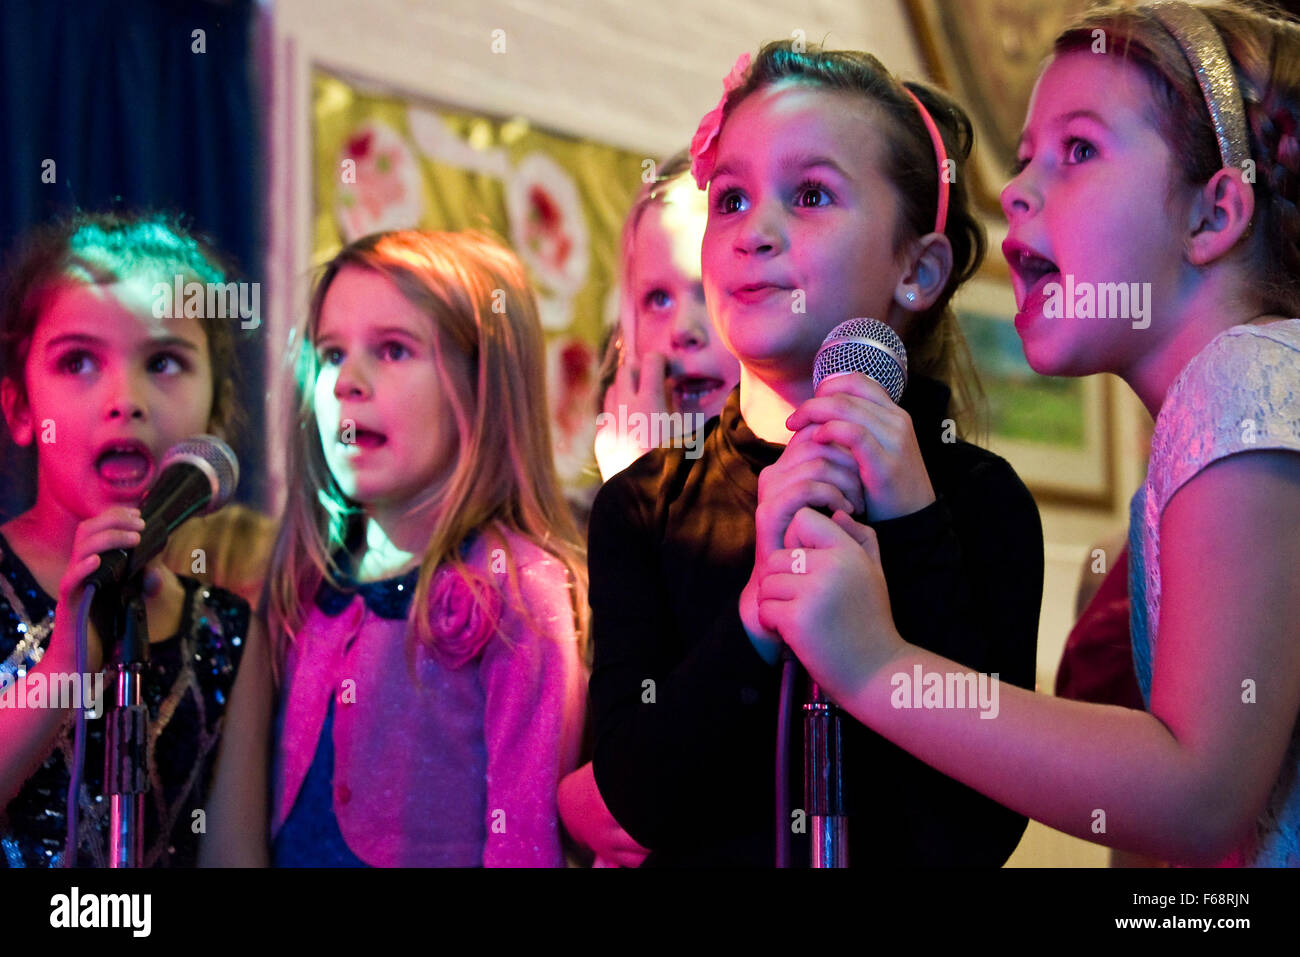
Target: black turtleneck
685	708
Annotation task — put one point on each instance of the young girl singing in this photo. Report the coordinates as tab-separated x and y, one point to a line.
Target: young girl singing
830	197
427	574
1169	160
100	388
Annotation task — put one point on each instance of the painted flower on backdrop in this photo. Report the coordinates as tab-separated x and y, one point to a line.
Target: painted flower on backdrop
379	186
434	138
704	144
461	625
547	226
571	373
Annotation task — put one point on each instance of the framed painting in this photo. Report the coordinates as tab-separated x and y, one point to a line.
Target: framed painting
987	53
1056	432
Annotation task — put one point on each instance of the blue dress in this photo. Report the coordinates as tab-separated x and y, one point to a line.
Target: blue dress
310	836
187	684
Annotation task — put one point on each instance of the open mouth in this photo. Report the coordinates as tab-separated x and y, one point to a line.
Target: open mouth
366	438
691	392
1030	272
125	464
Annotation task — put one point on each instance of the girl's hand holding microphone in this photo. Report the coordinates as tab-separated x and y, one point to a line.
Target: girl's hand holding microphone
823	589
824	593
808	473
116	527
856	414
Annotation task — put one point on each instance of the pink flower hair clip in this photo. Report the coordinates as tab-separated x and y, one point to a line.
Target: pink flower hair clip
704	142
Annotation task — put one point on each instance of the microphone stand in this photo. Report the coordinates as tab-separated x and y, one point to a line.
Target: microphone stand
860	346
823	782
126	768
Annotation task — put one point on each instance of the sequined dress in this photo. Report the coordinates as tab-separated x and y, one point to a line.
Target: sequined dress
188	682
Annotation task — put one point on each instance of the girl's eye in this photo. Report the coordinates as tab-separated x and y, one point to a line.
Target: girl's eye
811	195
330	357
731	201
77	363
1078	151
166	363
393	350
657	299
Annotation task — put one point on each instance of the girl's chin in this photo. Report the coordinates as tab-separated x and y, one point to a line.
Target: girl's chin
1055	362
1040	361
1042	355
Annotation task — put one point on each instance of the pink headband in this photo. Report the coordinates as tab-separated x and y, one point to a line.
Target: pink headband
941	157
704	143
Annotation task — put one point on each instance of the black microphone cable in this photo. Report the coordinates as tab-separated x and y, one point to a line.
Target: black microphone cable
79	734
784	717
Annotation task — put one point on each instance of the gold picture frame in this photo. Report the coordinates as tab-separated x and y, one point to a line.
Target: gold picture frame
988	54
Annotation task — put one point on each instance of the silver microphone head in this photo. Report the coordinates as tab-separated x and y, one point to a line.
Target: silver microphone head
215	459
867	346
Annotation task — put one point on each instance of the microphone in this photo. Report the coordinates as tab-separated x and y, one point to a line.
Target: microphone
197	475
867	346
872	348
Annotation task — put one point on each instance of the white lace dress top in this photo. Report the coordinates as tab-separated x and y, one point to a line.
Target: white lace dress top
1241	393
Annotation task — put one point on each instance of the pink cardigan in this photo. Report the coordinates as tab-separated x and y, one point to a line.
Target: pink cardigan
458	763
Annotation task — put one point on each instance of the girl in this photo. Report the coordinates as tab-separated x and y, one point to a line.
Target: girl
1131	169
677	363
101	389
427	571
828	199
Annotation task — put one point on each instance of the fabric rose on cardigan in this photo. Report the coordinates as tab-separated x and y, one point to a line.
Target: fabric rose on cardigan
461	625
704	142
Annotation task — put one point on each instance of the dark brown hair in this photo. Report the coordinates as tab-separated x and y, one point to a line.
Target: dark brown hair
107	248
935	344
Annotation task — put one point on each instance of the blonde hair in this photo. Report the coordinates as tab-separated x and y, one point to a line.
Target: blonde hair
673	174
476	294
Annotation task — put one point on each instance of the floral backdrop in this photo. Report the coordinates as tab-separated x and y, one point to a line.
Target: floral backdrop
386	161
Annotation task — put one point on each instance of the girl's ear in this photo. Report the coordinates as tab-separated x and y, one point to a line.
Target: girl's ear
18	414
927	274
1220	215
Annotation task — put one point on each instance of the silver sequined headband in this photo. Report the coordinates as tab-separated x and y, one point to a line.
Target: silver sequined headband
1204	49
